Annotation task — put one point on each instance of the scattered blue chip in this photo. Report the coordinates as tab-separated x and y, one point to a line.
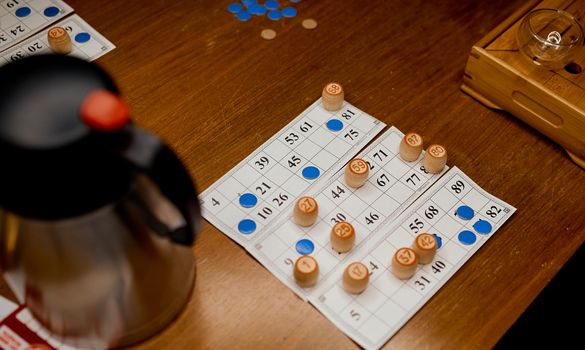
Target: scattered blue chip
311	172
248	200
257	9
295	1
439	240
467	237
483	227
247	226
82	37
272	4
289	12
22	12
235	7
51	11
465	212
244	16
274	15
249	2
305	247
334	125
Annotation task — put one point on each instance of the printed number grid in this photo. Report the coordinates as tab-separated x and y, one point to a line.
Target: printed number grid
273	173
94	48
392	184
20	18
372	317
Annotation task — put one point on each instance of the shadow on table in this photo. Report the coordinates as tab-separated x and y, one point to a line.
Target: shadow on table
555	318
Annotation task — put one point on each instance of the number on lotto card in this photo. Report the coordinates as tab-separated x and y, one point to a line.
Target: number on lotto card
438	268
347	114
338	216
422	282
263	188
306	126
458	187
494	211
413	180
383	180
291	137
262	162
380	155
337	192
431	212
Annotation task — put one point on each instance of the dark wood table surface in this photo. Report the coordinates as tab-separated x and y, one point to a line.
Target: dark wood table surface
215	90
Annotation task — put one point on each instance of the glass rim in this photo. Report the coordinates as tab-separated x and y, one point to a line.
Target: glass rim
562	13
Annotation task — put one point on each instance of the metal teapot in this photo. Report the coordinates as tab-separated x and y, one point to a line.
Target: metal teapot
97	216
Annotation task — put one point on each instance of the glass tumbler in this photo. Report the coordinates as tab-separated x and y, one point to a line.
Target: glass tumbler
550	38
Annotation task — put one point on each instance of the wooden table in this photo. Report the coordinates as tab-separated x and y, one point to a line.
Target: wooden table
214	90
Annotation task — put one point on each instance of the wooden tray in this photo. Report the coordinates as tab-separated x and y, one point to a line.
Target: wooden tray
553	102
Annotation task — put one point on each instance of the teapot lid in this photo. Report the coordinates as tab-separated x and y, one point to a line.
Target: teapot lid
56	163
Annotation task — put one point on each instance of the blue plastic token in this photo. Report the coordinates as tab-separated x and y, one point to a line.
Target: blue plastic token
465	212
248	200
271	4
235	7
249	2
257	9
289	12
244	16
311	172
439	240
22	12
467	237
483	227
274	15
305	247
82	37
247	226
51	11
334	125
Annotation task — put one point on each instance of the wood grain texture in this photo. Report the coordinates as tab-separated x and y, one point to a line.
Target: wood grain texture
215	91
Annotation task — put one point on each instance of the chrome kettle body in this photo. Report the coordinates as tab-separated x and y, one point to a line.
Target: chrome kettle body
97	216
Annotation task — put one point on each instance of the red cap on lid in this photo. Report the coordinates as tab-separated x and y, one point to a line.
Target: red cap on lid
104	111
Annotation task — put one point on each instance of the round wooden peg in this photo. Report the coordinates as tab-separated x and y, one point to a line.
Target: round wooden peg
306	211
306	271
332	97
411	147
404	263
356	173
59	41
355	278
342	237
425	246
435	159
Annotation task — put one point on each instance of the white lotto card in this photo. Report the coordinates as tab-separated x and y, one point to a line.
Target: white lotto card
458	213
392	184
310	149
21	18
88	43
399	201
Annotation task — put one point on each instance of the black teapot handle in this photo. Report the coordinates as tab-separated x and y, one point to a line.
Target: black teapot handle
107	114
149	155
